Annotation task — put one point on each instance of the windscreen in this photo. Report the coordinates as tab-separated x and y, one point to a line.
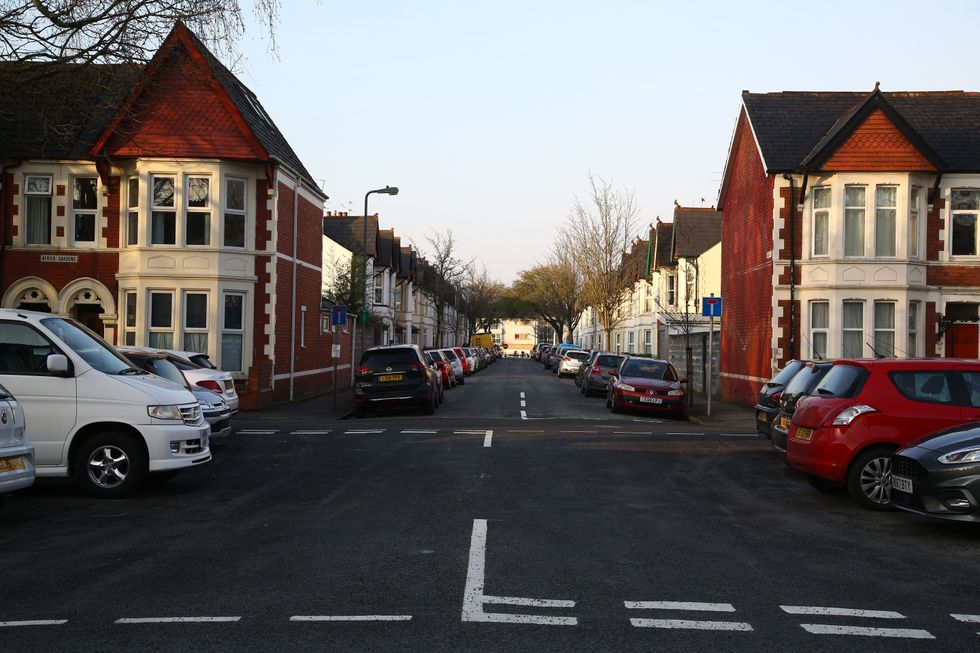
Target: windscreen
93	350
164	368
787	373
648	370
610	361
578	355
799	382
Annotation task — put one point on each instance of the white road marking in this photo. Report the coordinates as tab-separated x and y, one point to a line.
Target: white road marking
841	612
632	432
967	618
683	433
356	617
523	404
33	622
739	435
523	414
470	432
522	395
257	432
905	633
177	620
488	439
474	598
526	431
419	431
679	605
589	432
691	625
539	603
363	431
309	432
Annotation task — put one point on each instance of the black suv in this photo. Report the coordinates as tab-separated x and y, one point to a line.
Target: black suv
396	375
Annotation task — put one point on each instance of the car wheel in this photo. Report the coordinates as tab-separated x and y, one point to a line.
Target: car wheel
111	465
869	478
615	406
608	400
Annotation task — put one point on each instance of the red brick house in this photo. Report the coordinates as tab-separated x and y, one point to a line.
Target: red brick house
168	211
850	229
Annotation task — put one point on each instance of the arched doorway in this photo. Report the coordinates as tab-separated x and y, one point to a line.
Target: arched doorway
89	302
31	294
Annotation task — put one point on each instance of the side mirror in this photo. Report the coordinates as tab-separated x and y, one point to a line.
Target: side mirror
57	364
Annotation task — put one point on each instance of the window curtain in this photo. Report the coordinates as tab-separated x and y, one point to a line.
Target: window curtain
196	342
159	340
854	221
853	338
231	352
38	220
885	213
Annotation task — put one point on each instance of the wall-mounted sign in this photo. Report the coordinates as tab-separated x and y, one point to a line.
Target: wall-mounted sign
58	258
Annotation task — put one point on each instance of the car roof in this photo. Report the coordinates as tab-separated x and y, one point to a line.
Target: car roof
907	363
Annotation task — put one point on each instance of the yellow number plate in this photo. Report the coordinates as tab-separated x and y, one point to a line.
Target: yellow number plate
784	423
391	377
12	464
804	434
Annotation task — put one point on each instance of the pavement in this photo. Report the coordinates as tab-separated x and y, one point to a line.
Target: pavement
731	414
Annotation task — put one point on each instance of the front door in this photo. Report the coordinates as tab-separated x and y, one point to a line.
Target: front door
88	314
963	340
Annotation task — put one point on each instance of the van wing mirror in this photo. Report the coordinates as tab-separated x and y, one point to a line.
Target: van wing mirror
57	363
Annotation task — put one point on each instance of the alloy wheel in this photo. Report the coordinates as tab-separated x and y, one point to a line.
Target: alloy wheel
108	466
876	480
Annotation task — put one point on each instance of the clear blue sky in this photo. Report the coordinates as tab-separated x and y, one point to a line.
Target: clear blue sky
489	115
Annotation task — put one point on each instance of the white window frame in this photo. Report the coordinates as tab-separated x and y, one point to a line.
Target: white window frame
379	289
953	213
631	341
28	194
225	330
877	225
876	329
173	208
648	341
671	289
863	208
130	301
619	342
188	210
93	213
133	212
816	330
818	212
236	212
915	222
151	328
913	329
845	330
185	329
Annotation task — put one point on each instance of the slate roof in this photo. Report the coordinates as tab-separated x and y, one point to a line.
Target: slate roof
406	269
789	125
662	257
386	253
695	231
36	121
635	261
348	232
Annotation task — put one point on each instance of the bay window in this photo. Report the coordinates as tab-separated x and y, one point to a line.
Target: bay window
197	219
161	320
133	212
884	329
163	215
234	214
854	210
819	326
233	332
821	221
913	344
914	222
886	198
196	322
852	335
129	323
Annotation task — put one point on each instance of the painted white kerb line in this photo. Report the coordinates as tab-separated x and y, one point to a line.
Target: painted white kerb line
33	622
686	624
488	439
177	620
474	598
354	617
523	414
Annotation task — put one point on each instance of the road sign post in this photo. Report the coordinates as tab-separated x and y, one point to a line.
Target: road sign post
711	308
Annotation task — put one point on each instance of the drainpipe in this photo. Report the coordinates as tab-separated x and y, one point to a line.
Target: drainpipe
792	264
292	310
10	165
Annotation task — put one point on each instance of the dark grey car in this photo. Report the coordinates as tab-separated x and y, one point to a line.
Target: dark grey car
395	375
596	378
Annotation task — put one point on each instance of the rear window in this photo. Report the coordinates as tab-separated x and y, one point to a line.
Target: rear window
578	355
393	358
800	380
786	373
842	381
610	361
928	386
4	394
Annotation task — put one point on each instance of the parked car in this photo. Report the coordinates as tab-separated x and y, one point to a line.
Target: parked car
394	375
446	370
91	415
199	359
646	384
768	407
585	367
939	476
598	377
803	383
863	410
457	363
217	381
465	360
571	361
217	413
434	367
16	453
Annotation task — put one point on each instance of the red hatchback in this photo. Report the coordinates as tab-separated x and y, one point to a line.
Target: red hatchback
863	410
645	384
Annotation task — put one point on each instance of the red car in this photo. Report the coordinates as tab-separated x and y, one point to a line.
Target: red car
863	410
645	384
446	371
464	359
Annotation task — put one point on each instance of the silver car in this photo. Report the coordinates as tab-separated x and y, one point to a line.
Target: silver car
16	453
201	372
570	361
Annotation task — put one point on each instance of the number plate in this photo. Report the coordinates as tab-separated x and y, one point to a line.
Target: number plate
902	484
651	400
784	422
13	464
804	434
391	377
761	416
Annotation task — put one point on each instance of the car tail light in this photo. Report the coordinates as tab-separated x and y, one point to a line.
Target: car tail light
776	396
362	371
418	367
596	371
565	359
846	416
213	386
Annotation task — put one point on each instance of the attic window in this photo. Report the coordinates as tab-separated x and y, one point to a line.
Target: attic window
258	108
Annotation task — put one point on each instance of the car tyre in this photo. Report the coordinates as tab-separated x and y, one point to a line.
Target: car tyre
111	465
869	478
608	401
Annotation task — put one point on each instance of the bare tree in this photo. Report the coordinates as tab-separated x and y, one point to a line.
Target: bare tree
599	231
347	284
481	300
448	273
119	31
552	292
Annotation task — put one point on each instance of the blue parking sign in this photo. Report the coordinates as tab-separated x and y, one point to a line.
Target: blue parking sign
711	306
339	315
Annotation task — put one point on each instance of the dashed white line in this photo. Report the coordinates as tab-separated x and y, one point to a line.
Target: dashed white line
258	432
538	603
309	432
967	618
840	612
632	432
739	435
364	431
419	431
523	404
522	395
683	433
905	633
688	624
355	617
33	622
177	620
523	414
488	439
588	432
680	605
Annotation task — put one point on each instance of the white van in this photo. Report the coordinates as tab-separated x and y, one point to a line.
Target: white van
90	414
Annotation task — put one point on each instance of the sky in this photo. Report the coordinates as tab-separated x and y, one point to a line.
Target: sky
489	116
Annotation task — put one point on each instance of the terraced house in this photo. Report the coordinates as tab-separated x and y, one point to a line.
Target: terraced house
850	229
162	207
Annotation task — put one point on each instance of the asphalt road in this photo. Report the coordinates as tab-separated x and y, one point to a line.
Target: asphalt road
477	529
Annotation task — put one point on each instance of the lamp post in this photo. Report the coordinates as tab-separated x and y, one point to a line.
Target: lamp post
387	190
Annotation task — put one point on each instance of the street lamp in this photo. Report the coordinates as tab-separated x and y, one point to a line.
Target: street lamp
387	190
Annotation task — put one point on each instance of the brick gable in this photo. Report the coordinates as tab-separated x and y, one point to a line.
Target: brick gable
877	144
183	112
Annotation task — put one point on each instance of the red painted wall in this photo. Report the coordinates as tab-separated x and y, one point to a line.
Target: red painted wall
746	272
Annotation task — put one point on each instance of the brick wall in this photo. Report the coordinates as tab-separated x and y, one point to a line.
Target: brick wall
746	272
953	275
934	223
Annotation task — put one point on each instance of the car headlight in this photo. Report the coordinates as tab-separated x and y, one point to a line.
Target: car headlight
846	416
968	455
627	388
675	393
164	412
